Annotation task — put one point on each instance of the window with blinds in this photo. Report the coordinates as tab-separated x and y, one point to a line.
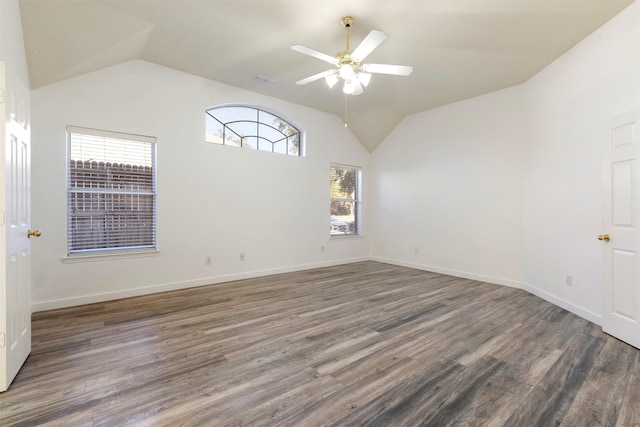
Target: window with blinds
111	191
345	200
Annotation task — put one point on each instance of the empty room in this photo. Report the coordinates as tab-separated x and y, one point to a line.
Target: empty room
319	213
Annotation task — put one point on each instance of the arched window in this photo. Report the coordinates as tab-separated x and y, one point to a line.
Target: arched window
253	128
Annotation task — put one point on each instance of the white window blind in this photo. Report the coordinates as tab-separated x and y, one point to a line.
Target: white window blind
111	191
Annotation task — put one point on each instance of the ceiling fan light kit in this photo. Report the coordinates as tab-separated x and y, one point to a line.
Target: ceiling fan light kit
348	65
364	78
332	79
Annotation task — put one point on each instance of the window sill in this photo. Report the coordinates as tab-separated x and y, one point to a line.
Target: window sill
345	236
71	259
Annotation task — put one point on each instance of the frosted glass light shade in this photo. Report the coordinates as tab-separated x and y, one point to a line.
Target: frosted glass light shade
349	87
364	78
346	71
332	80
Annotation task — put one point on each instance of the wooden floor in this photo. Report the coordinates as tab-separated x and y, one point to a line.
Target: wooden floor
361	344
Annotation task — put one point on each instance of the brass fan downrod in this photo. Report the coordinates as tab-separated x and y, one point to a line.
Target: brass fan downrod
347	22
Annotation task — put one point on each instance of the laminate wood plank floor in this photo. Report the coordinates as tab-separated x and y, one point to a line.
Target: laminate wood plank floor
353	345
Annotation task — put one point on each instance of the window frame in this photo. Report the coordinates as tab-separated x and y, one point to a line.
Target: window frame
357	201
258	109
117	251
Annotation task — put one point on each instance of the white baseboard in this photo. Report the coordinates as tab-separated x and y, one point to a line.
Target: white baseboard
569	306
108	296
450	272
163	287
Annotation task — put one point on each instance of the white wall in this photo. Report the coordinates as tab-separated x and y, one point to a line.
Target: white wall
212	200
507	187
11	43
448	185
569	106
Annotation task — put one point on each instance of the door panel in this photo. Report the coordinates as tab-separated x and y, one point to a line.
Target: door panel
15	218
621	264
622	187
623	280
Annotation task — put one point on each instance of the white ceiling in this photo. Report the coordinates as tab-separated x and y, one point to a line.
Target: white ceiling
458	49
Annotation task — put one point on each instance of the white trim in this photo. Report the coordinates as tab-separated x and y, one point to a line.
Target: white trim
111	134
106	256
562	303
457	273
152	289
146	290
346	166
345	236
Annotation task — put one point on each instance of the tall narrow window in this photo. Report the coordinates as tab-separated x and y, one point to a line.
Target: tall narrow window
252	128
345	200
111	191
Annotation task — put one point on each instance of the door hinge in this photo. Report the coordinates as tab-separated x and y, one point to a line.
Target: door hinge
1	96
1	339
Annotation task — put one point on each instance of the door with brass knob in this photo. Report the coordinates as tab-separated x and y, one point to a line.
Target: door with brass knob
621	214
15	217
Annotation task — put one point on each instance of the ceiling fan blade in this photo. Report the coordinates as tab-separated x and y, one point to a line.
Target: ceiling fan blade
397	70
316	77
366	46
321	56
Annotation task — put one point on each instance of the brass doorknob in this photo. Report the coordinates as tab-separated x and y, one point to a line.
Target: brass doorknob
604	237
34	233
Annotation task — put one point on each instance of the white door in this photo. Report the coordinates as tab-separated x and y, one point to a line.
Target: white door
15	218
621	238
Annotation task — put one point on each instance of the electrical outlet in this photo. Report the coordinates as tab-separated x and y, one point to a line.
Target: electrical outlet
568	280
321	248
208	260
416	251
242	257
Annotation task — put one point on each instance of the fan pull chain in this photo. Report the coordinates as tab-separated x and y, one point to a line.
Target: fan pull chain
346	124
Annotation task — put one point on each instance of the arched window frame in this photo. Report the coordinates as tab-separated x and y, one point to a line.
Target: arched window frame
235	131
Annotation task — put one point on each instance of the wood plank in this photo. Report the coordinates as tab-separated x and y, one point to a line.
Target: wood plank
630	409
550	399
603	388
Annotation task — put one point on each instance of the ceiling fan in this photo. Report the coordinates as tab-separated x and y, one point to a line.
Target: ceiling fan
348	64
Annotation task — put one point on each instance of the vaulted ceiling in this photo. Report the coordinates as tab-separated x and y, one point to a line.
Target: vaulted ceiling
458	48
